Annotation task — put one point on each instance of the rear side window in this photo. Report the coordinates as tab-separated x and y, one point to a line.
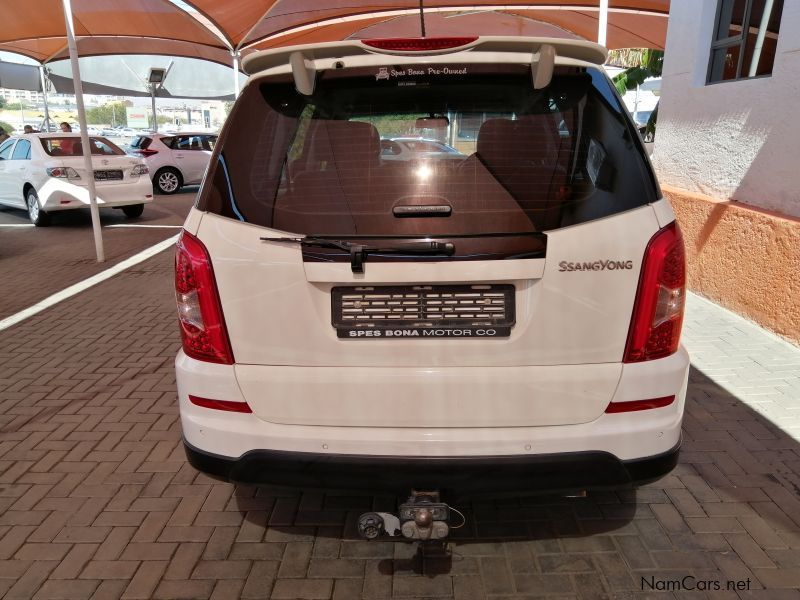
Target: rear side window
72	146
502	157
141	143
190	142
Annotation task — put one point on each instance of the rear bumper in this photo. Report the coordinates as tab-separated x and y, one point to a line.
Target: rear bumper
58	194
552	473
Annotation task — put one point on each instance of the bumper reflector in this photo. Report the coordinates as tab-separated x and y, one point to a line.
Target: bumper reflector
240	407
618	407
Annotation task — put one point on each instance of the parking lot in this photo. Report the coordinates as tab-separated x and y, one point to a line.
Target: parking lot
98	501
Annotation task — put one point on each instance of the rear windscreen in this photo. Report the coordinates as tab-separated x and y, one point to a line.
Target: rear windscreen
442	151
72	146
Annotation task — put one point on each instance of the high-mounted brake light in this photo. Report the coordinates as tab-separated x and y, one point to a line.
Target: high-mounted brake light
419	44
203	330
655	328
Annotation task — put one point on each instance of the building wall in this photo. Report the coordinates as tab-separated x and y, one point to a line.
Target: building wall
736	140
743	258
728	158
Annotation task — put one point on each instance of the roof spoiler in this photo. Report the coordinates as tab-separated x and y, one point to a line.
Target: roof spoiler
543	50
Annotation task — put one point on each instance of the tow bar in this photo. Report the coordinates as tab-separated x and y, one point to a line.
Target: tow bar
423	517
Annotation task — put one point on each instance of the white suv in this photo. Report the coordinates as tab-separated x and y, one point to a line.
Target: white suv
175	160
509	320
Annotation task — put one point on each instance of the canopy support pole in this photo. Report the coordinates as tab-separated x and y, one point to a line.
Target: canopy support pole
44	97
602	30
235	55
87	148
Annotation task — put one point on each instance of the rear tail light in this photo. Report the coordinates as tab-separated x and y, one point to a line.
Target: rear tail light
63	173
419	44
658	312
203	330
139	170
147	152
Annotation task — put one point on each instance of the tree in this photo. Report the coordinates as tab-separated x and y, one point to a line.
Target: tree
2	102
639	64
6	127
112	113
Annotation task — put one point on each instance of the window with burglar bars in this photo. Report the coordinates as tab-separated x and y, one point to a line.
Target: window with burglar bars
745	39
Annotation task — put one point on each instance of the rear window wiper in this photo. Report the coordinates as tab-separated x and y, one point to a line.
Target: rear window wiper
359	252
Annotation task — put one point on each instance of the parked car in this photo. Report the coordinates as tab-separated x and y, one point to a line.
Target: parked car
416	149
127	132
44	173
510	321
174	160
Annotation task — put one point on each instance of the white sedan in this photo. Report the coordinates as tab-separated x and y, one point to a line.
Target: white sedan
44	173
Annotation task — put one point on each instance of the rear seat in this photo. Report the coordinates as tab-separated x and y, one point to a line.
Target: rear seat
523	155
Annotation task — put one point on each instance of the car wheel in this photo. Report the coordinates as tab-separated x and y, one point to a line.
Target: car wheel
37	216
167	181
133	210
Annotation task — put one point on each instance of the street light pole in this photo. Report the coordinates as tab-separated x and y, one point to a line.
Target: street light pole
153	98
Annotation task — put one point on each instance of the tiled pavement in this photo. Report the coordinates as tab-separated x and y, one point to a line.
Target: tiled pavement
38	262
96	499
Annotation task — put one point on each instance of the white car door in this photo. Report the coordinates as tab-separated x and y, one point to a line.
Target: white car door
190	157
18	170
6	170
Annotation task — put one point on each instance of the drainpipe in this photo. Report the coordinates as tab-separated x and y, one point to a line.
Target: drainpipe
762	33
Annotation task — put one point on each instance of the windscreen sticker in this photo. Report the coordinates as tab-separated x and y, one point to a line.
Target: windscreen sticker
387	73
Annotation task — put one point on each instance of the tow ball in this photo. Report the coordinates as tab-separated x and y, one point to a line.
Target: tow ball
423	517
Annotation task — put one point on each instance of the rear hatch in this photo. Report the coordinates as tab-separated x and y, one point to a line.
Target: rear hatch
520	318
111	165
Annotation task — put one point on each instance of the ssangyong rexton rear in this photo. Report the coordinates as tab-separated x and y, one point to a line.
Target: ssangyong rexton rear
509	318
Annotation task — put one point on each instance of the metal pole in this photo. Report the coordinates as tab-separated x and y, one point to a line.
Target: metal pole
602	29
44	96
153	98
762	33
87	149
235	55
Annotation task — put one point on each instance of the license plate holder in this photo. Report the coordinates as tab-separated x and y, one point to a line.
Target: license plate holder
470	311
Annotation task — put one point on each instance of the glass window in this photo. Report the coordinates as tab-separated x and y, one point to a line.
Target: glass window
188	142
5	149
745	39
323	164
141	142
22	151
72	146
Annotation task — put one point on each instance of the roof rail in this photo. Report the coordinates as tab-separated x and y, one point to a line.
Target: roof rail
564	47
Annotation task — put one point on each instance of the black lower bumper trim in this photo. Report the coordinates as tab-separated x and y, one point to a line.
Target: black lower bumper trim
551	473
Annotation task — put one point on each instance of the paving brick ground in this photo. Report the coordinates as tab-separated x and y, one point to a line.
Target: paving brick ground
97	500
36	262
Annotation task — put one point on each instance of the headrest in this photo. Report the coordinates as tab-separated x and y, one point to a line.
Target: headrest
354	140
496	139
